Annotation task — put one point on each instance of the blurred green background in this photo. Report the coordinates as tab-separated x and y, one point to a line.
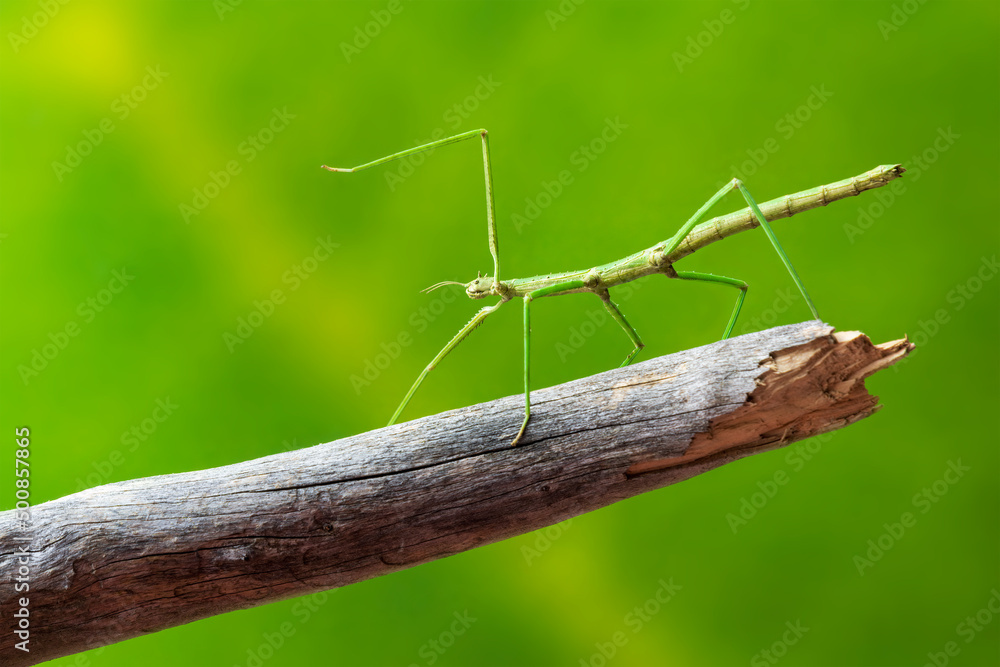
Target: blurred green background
179	143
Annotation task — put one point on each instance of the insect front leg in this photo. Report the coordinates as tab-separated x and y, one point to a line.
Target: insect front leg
491	225
476	320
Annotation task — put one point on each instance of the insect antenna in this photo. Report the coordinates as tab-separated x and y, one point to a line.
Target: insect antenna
433	287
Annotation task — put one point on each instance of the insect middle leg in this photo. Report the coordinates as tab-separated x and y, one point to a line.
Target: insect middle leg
629	330
545	291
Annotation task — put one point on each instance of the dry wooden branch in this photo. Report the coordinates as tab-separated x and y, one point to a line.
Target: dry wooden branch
134	557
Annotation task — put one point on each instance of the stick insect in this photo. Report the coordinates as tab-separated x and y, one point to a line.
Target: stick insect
658	259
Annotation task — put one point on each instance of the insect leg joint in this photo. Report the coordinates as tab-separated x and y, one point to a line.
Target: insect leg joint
592	279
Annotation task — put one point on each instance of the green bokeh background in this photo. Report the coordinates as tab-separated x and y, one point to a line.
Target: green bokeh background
896	76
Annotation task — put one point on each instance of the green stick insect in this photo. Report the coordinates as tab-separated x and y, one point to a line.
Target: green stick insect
658	259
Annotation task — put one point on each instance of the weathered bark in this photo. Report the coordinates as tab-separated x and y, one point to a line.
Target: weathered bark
134	557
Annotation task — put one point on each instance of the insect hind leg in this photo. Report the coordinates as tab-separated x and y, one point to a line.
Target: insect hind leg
733	282
737	184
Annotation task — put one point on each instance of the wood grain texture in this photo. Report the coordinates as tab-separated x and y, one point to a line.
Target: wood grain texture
134	557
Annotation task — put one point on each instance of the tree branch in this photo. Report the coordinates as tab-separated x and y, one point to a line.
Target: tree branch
134	557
